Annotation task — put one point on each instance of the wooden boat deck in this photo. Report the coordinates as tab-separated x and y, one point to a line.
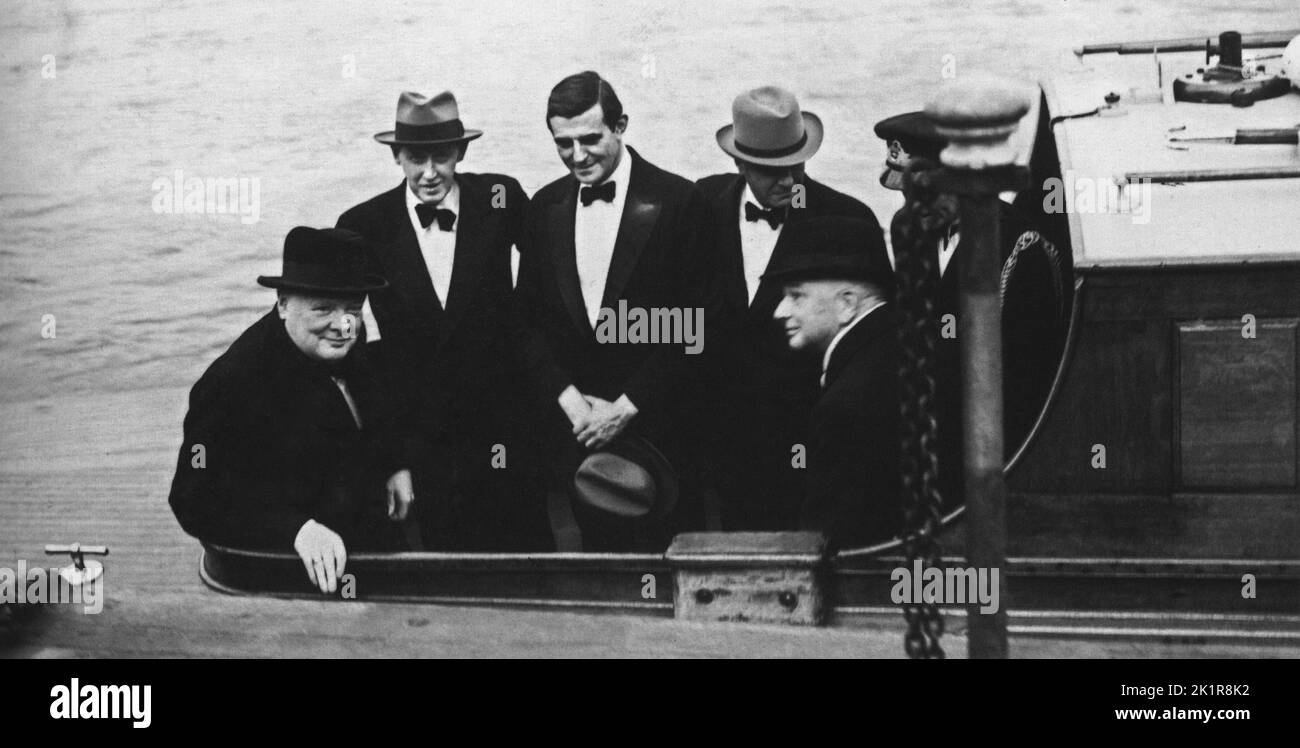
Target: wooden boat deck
97	470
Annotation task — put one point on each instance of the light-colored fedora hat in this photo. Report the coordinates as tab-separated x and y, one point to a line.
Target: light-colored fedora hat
427	121
627	478
767	128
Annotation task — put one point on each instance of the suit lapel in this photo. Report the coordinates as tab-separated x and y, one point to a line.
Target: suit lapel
408	274
467	261
560	220
769	294
640	212
727	208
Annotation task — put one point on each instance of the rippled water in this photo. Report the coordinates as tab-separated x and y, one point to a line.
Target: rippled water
259	90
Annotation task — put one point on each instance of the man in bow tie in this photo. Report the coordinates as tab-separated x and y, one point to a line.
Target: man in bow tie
761	391
442	332
616	230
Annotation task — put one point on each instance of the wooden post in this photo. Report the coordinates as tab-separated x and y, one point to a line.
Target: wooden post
978	114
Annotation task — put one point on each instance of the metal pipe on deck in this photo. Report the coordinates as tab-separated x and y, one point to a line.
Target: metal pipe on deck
1213	175
1261	40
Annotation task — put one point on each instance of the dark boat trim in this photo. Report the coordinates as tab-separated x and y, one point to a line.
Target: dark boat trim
1076	597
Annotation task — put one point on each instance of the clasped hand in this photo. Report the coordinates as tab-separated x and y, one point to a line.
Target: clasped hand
596	421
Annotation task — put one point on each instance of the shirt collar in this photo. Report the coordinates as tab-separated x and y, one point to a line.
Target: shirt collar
826	360
747	196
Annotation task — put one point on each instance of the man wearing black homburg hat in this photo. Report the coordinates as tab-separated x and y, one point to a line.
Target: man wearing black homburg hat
288	440
837	283
442	330
761	391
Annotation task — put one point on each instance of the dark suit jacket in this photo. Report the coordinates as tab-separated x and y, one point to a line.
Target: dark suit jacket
452	359
450	352
280	445
853	454
659	260
760	390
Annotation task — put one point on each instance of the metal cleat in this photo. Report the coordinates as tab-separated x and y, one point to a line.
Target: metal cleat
80	571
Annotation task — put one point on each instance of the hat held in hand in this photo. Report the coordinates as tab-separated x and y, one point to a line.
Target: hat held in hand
627	478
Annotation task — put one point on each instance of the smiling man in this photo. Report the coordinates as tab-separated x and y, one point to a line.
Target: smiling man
836	284
615	230
759	390
288	437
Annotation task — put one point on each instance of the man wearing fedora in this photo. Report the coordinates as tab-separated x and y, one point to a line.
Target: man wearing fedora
1035	291
835	305
443	239
616	230
760	390
288	440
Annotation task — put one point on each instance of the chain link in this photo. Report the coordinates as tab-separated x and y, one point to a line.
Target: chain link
916	268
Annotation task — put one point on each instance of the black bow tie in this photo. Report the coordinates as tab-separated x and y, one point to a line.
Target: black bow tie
426	213
774	217
604	193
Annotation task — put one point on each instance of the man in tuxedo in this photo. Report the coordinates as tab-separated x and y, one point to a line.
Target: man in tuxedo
835	305
1035	290
443	239
288	439
760	390
615	232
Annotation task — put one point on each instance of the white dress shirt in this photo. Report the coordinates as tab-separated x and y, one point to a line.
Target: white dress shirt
947	246
826	360
438	248
757	240
595	229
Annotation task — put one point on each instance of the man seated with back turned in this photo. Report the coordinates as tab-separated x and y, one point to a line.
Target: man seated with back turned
286	440
837	285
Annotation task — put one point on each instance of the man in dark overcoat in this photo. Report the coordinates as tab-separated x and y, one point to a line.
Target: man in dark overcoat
289	440
835	304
